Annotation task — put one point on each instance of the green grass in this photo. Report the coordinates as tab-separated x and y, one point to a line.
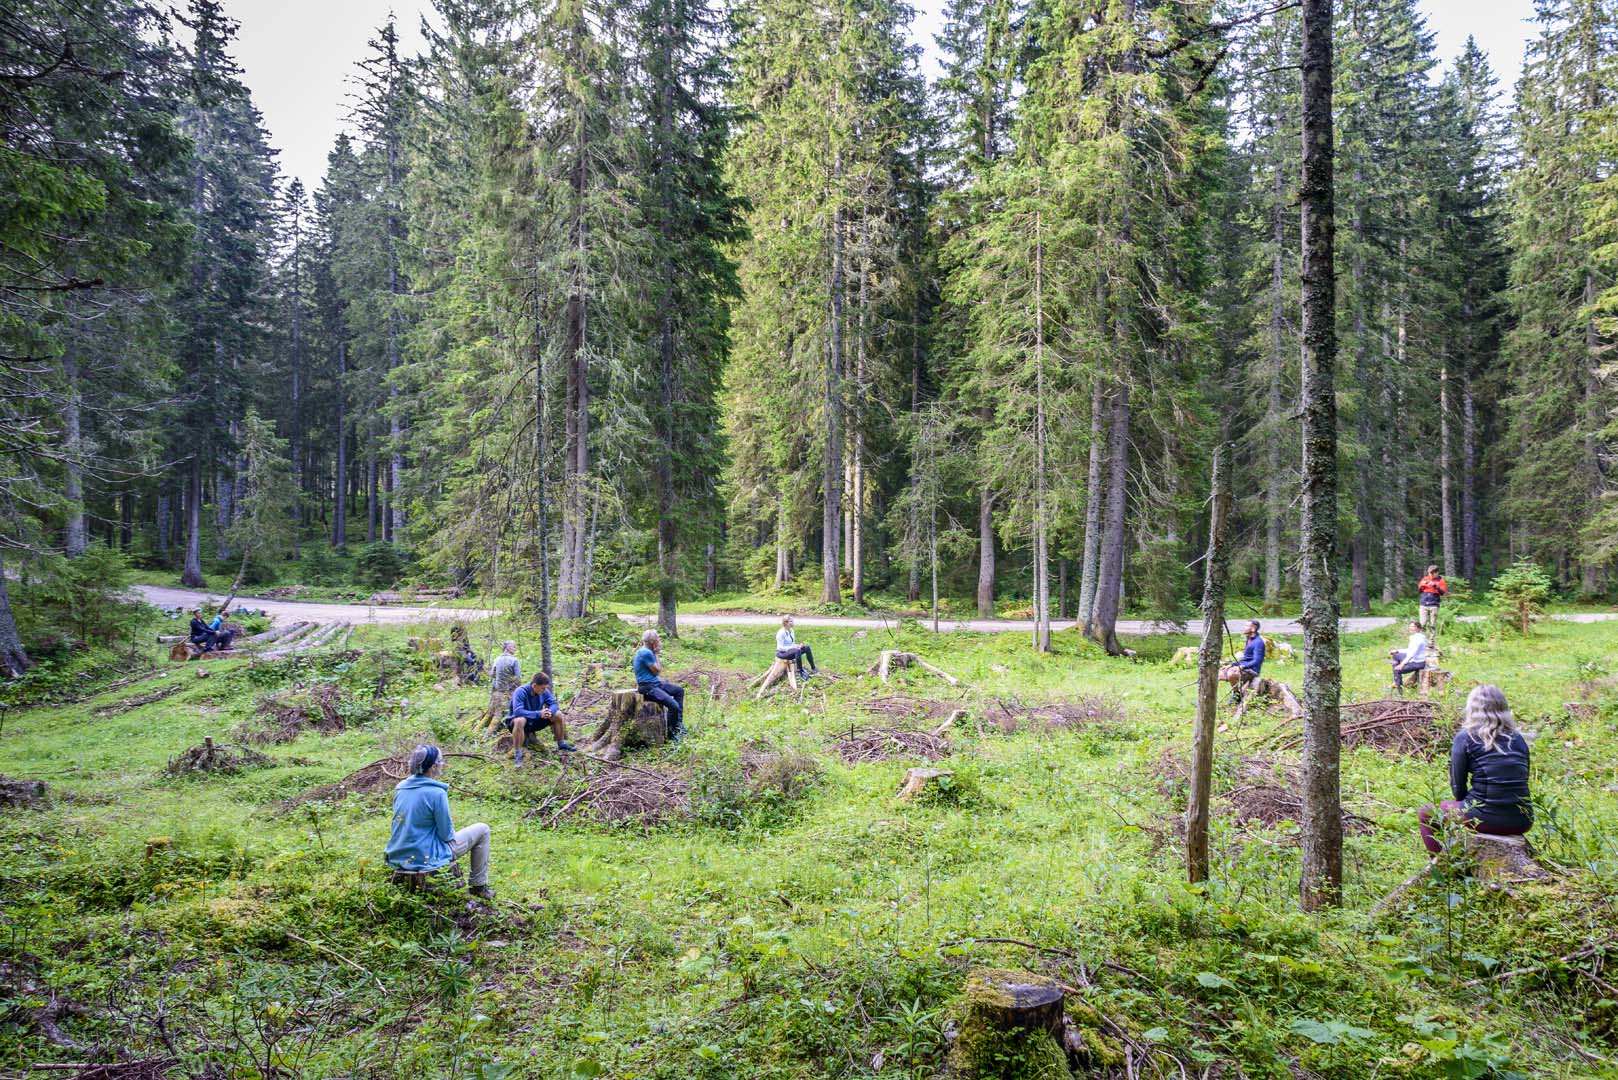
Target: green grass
827	933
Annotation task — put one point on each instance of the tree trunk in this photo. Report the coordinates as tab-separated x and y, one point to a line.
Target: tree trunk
856	509
913	593
1103	629
667	555
371	508
224	512
77	538
985	553
191	576
339	528
126	519
295	444
1469	463
1062	609
1042	565
1274	501
783	561
1092	509
831	589
13	658
165	512
1215	574
571	584
1322	825
710	576
1445	497
542	509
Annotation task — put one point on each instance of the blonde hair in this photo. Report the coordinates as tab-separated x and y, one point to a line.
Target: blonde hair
785	619
1488	718
510	647
650	639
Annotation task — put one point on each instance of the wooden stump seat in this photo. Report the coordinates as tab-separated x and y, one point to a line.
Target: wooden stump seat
781	669
632	721
428	880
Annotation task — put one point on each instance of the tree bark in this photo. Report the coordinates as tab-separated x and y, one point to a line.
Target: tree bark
1092	508
295	444
1103	629
783	560
77	538
542	509
191	576
1445	495
339	528
985	553
165	514
13	658
1042	566
831	589
1274	502
856	509
1470	538
372	510
1322	825
1215	575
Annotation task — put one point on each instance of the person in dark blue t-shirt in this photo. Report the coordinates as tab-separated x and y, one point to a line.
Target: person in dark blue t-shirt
649	681
1245	670
1488	774
533	704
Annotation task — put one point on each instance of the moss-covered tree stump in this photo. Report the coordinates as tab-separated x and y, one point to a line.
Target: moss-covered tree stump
1010	1027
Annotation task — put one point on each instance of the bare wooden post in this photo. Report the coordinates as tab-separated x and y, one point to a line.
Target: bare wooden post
1213	626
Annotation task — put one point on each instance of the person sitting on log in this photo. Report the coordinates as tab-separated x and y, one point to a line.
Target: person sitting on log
1245	670
787	648
1431	591
221	636
1409	660
201	636
531	705
424	840
1488	773
504	678
649	681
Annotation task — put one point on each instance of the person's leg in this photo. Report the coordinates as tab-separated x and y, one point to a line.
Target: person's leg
225	637
1431	819
1402	670
657	692
796	656
559	729
519	736
474	839
677	715
809	655
1429	616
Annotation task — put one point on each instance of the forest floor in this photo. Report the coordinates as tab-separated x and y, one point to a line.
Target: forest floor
755	902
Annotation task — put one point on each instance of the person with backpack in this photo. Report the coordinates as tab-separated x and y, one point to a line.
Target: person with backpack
1430	593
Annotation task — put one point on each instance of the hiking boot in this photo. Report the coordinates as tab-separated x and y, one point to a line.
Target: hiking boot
482	892
566	747
517	759
676	733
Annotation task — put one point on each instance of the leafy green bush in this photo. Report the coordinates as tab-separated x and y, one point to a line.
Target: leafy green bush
320	565
65	601
379	564
1517	596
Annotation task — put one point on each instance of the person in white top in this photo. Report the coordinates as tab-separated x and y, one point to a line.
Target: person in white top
1410	659
787	648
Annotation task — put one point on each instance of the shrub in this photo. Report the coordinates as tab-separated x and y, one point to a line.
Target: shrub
321	565
79	598
379	564
1517	596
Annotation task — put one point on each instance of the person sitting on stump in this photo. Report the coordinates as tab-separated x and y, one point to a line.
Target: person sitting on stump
787	648
468	668
1431	591
1410	659
504	678
221	636
534	704
1245	671
1488	773
424	839
649	681
201	636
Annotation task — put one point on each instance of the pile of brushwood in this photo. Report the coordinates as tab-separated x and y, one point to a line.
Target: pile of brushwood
212	757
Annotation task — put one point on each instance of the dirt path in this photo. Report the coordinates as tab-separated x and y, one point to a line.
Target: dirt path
395	614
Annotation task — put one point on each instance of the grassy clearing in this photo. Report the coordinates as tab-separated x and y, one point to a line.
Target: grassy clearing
794	921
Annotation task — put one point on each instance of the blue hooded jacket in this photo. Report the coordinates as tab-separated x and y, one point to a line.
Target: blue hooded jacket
422	828
1253	655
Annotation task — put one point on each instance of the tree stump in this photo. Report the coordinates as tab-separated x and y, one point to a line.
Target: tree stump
1501	859
1011	1024
1431	679
894	658
25	793
182	651
631	721
427	880
778	670
917	779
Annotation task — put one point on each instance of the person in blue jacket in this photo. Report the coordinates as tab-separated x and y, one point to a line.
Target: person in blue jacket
221	636
649	681
1245	670
423	838
532	705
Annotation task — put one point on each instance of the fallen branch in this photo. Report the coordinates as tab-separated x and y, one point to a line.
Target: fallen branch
339	956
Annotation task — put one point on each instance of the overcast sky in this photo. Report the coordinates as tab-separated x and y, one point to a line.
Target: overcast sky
298	55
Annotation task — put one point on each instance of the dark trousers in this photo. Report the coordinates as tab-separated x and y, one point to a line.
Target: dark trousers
798	653
1433	818
1401	669
671	697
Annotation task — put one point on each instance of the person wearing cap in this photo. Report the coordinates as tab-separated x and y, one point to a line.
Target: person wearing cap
649	681
424	839
531	706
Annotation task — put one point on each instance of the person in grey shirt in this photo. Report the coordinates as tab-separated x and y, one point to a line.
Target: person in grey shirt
504	679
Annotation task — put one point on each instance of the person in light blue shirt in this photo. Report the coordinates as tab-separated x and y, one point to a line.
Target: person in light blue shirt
220	634
532	705
649	681
423	838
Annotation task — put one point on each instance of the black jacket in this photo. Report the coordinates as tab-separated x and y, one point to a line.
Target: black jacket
200	632
1498	789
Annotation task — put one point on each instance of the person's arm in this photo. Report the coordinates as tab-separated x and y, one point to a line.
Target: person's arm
518	710
443	826
1459	772
548	703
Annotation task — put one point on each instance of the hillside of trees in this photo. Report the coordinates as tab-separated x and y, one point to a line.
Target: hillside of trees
662	297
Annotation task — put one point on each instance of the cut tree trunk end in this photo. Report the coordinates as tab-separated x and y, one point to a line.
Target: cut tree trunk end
916	780
893	658
1011	1024
781	669
631	722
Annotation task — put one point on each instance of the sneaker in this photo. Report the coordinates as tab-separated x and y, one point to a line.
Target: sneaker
517	759
676	733
482	892
566	747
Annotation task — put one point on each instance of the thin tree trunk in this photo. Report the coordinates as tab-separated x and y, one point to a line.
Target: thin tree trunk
165	513
710	576
339	529
1274	501
1322	825
191	576
542	510
856	509
1469	464
913	593
13	657
126	519
576	469
1092	509
373	507
1110	570
985	553
667	555
1062	566
1445	496
224	512
783	561
295	444
77	538
1215	574
1042	566
831	589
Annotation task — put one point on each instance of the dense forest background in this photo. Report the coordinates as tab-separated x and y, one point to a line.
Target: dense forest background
668	297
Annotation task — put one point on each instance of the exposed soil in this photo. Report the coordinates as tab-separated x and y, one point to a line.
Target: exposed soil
1011	715
899	708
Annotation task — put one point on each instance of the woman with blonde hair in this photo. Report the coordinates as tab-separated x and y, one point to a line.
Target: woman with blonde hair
1488	773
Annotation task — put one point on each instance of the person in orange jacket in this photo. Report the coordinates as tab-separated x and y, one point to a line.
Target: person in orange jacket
1432	589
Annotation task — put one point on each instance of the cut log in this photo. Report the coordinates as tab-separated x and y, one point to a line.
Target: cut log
631	721
182	651
1276	691
917	779
781	669
894	658
293	629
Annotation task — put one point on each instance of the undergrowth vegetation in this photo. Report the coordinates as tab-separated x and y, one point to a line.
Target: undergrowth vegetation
755	902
